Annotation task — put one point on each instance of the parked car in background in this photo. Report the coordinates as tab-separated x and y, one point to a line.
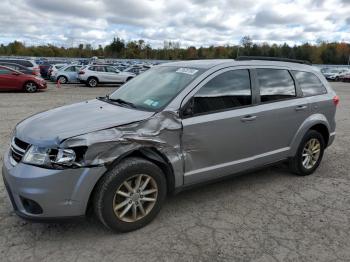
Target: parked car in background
345	78
93	75
30	64
175	126
335	74
11	80
53	69
45	65
19	68
67	74
136	69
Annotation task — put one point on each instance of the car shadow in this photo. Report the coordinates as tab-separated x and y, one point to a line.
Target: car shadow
174	203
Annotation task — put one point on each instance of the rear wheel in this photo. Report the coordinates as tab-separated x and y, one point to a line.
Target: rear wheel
92	82
30	87
309	154
130	195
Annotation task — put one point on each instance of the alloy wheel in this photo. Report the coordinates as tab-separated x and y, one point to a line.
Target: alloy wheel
62	80
311	153
31	87
93	82
135	198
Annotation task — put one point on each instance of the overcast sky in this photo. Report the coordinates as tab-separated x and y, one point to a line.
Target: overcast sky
192	22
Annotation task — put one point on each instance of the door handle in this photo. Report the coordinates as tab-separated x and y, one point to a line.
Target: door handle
248	118
300	108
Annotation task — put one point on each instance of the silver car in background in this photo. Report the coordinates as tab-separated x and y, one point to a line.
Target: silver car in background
30	64
53	69
174	126
93	75
67	74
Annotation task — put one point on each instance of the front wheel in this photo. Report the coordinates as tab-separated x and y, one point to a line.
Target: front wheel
309	154
130	195
62	79
30	87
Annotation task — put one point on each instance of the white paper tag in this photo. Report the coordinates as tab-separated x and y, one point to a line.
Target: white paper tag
187	71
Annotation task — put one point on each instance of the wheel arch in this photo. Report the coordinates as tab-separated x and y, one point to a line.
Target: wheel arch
62	76
316	122
95	77
150	154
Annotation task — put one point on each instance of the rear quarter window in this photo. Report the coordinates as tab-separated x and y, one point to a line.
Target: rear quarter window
309	83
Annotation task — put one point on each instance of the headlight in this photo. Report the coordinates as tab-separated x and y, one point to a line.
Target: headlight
47	157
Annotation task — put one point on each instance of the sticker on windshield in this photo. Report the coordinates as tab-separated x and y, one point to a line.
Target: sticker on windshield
150	102
187	71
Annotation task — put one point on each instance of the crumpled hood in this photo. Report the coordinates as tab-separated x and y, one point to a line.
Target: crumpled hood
51	127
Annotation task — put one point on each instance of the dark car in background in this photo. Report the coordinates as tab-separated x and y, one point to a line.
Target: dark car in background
44	69
11	80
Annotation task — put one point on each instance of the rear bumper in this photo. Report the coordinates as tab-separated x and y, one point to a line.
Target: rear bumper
60	194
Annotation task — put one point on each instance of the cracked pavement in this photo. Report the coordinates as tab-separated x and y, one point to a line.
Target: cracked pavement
267	215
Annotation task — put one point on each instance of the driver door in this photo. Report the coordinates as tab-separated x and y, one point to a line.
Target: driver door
219	130
9	81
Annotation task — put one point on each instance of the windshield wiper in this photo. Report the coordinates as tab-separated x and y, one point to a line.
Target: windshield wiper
119	101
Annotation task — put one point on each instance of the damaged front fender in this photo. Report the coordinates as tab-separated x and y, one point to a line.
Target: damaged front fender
161	132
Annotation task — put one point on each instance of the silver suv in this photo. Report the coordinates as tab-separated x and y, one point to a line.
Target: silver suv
174	126
93	75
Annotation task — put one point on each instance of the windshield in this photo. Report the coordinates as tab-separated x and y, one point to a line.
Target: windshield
156	87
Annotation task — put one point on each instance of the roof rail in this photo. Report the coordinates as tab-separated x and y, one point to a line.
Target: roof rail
267	58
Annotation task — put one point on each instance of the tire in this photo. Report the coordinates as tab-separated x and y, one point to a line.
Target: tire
105	198
92	82
296	163
128	79
30	87
62	79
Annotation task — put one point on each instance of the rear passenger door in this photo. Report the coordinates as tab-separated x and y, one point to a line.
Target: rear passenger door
281	111
219	135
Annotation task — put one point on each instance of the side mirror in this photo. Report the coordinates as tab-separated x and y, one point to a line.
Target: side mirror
188	109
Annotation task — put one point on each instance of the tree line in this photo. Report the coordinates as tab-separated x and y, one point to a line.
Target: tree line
320	53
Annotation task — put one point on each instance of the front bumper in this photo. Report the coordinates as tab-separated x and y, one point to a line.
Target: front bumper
60	193
42	85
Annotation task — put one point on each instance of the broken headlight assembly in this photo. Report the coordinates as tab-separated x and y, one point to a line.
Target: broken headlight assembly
50	158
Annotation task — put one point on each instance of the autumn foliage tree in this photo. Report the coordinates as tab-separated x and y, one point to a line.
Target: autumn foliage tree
320	53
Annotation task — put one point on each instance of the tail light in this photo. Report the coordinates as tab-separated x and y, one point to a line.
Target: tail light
336	100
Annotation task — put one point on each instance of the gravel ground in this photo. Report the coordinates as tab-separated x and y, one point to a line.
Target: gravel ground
269	215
